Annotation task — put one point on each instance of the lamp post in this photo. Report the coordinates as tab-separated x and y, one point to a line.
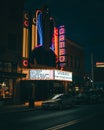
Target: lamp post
92	70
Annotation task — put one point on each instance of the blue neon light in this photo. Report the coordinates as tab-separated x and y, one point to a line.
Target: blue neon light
39	25
52	47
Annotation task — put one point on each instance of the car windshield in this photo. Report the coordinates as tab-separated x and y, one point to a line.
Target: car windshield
56	96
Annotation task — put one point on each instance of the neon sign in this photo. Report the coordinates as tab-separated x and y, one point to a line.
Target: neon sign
25	62
40	31
62	50
26	22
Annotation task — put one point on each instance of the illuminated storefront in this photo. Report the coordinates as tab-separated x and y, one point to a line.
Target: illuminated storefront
9	75
41	83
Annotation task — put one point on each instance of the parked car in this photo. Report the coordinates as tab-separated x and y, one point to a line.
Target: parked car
96	97
1	101
59	101
82	98
101	97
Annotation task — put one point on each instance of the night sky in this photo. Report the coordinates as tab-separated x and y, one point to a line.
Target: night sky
83	19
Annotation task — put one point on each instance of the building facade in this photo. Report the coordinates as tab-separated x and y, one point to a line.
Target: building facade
11	25
12	51
76	61
98	75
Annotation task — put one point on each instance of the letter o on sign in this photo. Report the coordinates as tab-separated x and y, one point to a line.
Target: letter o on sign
25	63
26	23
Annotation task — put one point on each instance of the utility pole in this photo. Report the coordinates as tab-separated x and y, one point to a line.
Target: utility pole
92	71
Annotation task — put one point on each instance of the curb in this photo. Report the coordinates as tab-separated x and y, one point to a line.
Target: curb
10	109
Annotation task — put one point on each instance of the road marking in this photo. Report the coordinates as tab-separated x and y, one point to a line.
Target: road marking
57	127
64	125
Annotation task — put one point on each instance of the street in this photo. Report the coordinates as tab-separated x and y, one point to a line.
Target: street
82	117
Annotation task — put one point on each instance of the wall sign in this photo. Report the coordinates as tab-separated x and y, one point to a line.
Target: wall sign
62	49
39	74
49	74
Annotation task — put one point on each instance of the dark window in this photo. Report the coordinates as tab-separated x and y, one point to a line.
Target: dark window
78	63
7	67
12	42
14	67
1	66
13	14
71	61
75	62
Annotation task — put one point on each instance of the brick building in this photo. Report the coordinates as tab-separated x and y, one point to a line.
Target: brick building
75	60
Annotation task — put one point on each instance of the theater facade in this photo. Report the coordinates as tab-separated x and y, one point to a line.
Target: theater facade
40	84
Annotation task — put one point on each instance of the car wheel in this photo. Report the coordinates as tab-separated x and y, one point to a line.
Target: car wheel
60	106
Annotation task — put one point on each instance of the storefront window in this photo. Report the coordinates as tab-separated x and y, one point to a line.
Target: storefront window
71	61
1	66
7	67
14	67
6	89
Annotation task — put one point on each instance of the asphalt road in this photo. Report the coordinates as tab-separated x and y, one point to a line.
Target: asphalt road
84	117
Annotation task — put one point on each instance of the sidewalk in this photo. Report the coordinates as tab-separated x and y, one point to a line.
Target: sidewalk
16	108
